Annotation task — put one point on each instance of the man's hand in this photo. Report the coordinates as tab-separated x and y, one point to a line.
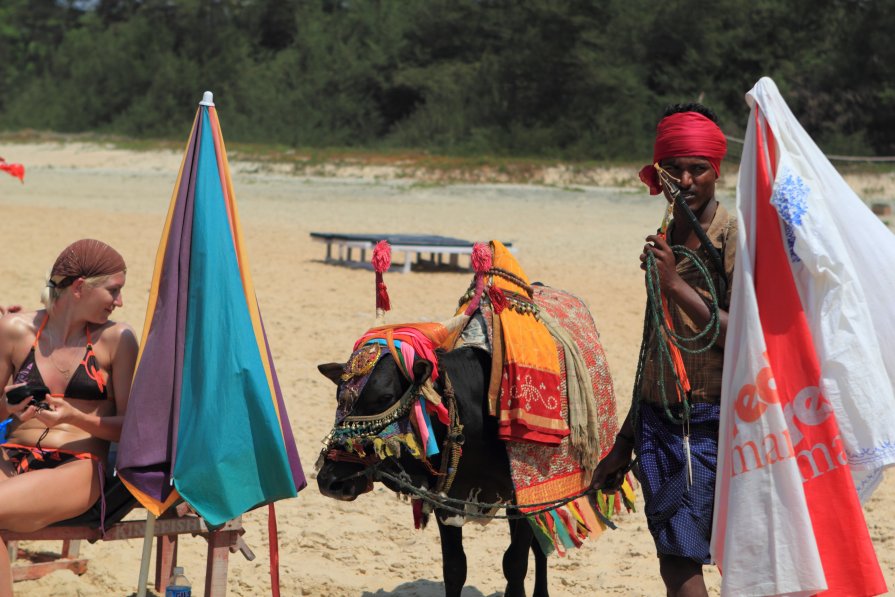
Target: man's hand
666	264
610	473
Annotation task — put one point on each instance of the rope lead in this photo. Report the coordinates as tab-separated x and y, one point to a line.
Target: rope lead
654	323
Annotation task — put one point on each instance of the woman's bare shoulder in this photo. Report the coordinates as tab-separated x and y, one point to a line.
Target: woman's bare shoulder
17	326
116	333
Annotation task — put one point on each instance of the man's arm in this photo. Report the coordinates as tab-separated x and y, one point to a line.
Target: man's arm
610	472
674	287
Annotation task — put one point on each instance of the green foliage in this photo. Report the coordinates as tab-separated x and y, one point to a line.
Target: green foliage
573	79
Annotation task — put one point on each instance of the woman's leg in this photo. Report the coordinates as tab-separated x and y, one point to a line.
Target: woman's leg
36	499
7	471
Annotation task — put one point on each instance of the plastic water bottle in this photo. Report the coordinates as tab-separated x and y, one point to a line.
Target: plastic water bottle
178	585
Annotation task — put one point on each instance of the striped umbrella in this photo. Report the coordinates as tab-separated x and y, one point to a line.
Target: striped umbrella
206	419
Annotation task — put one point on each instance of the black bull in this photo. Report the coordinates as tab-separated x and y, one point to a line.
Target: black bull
484	469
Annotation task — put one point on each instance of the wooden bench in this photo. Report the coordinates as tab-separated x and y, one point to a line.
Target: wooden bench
177	521
413	246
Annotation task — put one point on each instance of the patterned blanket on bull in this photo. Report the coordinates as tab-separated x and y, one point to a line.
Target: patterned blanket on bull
544	473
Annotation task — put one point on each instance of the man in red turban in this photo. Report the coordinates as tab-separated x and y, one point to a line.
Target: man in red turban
673	423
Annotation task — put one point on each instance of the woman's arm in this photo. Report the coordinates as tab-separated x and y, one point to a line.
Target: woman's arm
13	330
6	364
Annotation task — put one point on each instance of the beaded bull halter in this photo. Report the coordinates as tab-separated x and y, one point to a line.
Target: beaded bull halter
385	431
405	424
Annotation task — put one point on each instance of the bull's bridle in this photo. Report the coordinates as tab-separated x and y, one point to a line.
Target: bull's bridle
363	428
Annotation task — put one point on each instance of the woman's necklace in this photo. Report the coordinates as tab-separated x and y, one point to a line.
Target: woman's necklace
65	371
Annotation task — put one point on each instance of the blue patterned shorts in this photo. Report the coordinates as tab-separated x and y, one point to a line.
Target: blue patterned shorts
679	517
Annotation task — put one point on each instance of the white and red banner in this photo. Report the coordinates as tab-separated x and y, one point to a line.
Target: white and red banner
808	398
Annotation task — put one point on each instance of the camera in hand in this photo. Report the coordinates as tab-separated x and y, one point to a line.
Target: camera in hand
37	392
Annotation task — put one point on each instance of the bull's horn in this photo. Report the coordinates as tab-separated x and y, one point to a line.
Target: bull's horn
455	326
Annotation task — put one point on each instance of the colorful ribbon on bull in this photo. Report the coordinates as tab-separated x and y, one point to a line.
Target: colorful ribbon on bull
406	343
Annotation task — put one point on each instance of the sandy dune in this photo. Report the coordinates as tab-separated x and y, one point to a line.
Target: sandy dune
583	239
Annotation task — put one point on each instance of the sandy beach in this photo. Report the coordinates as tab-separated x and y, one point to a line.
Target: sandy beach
584	239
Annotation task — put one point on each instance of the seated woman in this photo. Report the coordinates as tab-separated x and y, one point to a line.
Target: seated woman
51	464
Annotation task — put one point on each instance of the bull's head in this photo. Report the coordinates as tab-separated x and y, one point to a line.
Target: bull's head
373	402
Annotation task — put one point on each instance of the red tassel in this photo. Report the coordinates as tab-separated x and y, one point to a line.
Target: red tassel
382	301
417	513
17	170
382	260
382	257
481	263
498	299
481	257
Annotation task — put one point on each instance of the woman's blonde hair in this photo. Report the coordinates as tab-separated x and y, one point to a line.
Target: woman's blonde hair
51	293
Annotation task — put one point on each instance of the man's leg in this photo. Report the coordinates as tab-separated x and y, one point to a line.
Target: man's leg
682	576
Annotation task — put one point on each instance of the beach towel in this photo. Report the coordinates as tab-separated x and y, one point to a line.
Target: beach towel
794	417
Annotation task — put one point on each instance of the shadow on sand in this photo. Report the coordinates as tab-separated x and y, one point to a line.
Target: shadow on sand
424	588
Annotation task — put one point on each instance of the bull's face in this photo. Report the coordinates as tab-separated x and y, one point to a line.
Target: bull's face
343	475
343	480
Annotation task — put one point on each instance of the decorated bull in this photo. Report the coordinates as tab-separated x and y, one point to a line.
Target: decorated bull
506	408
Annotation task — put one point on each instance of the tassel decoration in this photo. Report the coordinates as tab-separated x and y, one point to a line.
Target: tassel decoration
498	299
381	260
481	263
417	506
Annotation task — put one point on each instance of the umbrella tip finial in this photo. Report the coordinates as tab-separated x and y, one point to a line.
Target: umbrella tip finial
207	99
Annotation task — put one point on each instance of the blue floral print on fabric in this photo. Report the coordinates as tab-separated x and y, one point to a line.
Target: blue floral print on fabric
789	197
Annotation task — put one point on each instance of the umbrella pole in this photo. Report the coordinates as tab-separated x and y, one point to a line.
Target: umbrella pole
147	552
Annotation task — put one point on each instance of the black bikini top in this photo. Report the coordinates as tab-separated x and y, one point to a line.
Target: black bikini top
87	382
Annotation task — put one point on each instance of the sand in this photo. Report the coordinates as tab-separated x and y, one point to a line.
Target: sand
585	239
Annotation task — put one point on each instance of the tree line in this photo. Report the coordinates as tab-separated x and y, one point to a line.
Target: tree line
573	79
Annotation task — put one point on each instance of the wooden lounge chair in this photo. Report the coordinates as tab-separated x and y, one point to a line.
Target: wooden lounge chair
119	503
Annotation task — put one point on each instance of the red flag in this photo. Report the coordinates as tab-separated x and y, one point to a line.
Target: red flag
17	170
846	551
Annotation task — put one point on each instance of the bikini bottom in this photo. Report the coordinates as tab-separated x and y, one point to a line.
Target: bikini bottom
31	458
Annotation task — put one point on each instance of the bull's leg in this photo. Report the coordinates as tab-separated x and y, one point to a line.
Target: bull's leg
515	558
453	558
540	569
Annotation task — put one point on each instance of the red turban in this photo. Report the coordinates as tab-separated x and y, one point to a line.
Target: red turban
86	258
685	134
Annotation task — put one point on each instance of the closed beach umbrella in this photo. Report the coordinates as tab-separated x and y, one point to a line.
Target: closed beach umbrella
206	419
